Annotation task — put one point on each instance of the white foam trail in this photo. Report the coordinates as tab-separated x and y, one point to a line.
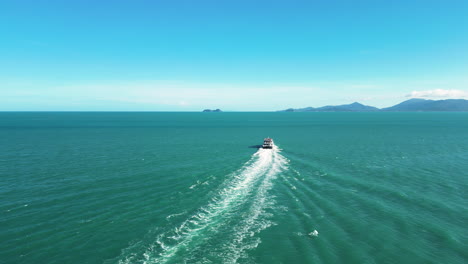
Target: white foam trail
253	223
229	197
259	171
174	215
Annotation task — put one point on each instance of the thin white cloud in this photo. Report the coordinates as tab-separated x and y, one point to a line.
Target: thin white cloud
439	94
172	95
167	95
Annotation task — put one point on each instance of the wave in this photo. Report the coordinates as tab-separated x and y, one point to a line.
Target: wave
223	230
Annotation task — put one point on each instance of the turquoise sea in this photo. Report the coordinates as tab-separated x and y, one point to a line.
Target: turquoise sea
97	187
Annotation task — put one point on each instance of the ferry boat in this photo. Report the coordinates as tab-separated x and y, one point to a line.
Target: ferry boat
267	143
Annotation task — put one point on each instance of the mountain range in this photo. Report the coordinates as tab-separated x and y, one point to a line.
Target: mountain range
411	105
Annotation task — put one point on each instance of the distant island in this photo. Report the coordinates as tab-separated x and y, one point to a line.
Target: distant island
412	105
209	110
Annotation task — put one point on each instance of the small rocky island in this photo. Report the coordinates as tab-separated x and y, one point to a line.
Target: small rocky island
209	110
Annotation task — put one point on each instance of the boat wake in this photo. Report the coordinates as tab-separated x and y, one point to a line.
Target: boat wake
225	229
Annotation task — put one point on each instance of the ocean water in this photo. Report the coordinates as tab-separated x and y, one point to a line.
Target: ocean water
193	188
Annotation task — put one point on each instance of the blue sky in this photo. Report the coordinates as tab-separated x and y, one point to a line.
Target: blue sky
235	55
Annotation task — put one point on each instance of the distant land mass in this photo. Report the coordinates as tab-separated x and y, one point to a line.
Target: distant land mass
354	107
412	105
430	105
209	110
